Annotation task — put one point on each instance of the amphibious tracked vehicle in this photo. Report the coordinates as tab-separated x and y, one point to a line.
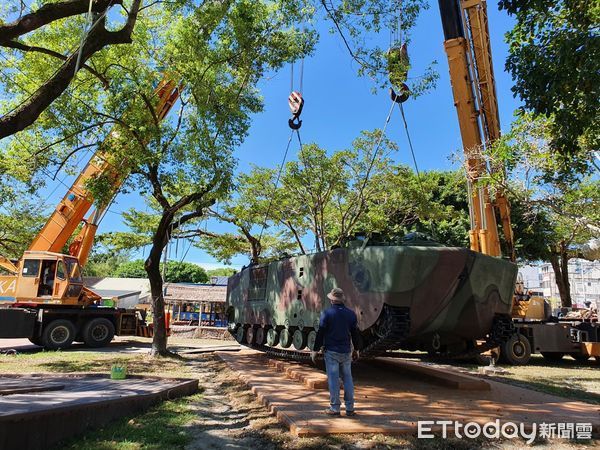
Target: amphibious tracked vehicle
434	298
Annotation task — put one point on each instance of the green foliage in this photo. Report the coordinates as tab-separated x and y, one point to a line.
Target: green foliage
20	221
221	272
555	61
177	271
434	203
104	264
553	215
556	210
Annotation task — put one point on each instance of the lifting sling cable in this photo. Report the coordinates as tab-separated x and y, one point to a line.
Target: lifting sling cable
296	103
414	158
281	166
376	147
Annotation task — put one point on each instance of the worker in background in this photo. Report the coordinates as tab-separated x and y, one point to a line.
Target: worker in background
337	327
48	279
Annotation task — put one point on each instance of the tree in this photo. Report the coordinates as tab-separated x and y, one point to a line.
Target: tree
559	215
248	212
433	202
320	199
176	271
554	57
37	23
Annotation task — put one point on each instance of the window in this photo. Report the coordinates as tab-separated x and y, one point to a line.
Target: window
31	268
60	270
301	272
73	270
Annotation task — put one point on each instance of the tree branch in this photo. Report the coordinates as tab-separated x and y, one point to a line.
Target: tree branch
96	40
51	12
64	161
157	191
30	48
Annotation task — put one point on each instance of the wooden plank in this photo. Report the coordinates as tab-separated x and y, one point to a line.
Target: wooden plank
439	375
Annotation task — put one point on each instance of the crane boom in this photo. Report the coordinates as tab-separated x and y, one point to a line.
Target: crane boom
468	48
78	200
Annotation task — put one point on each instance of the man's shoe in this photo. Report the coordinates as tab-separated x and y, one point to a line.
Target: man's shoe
350	413
331	412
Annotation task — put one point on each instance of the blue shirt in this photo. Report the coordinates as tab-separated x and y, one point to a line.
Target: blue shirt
337	326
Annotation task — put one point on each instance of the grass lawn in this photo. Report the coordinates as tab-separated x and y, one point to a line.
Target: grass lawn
566	378
165	426
86	361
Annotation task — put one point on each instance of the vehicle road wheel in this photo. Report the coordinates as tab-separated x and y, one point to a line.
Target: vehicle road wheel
272	337
517	350
250	335
312	337
553	356
58	334
299	340
261	336
285	338
580	357
240	336
98	332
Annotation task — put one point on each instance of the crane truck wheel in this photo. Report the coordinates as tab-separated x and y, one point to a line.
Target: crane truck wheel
98	332
58	334
517	350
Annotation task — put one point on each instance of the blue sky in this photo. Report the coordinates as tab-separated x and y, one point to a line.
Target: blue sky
339	104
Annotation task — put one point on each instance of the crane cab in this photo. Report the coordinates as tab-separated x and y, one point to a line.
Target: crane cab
47	277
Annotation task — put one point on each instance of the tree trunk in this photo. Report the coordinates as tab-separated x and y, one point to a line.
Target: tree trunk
560	264
152	266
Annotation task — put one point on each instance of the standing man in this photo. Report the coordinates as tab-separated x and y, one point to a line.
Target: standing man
338	325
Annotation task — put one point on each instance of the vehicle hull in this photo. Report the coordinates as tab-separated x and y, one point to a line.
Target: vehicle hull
452	294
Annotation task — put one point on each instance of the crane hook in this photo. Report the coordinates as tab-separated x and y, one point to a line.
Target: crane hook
403	96
296	103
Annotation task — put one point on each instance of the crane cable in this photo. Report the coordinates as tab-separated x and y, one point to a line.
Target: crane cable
287	148
414	158
296	103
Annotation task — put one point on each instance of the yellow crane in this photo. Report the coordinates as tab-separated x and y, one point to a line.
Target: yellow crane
467	45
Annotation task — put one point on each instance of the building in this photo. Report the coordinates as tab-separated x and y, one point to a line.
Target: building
120	292
197	304
584	278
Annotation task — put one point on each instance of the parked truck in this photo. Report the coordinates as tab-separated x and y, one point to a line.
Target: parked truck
43	297
576	333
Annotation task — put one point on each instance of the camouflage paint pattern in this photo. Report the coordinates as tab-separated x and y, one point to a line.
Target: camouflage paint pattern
452	292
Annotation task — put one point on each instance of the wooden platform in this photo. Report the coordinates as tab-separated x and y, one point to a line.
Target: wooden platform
39	410
391	400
